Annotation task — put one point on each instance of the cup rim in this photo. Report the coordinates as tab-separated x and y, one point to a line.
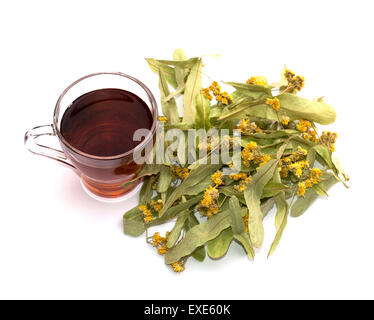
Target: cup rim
87	155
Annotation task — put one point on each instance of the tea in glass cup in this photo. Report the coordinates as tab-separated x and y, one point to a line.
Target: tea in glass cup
95	119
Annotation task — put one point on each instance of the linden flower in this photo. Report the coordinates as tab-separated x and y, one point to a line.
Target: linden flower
215	88
301	189
260	80
157	239
157	205
162	250
182	173
210	195
249	153
295	83
303	125
207	94
211	211
247	127
308	183
243	184
217	178
315	174
288	74
285	120
328	139
283	172
177	267
147	215
274	103
163	119
264	160
297	167
239	176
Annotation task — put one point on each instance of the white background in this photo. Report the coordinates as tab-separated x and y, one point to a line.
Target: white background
56	242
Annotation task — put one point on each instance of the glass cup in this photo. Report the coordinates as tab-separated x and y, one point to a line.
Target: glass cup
103	178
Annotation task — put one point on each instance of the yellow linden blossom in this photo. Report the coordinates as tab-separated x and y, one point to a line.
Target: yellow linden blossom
243	184
264	160
147	215
215	88
303	125
295	83
162	249
210	196
288	74
206	93
247	127
249	152
315	174
285	120
274	103
283	172
157	205
260	80
217	178
308	183
143	207
297	167
163	119
238	176
158	240
328	139
177	267
211	211
180	172
301	190
299	154
245	220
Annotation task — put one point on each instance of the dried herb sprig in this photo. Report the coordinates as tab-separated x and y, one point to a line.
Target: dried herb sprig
285	162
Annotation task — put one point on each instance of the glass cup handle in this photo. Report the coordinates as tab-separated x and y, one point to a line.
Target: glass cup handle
33	146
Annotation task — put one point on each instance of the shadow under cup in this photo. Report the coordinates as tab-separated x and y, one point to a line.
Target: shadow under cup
104	178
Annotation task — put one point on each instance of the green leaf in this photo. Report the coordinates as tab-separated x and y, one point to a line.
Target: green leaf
199	253
238	227
218	246
252	195
303	203
174	211
311	157
133	223
193	87
281	215
339	167
198	188
198	236
273	188
202	119
169	108
164	180
301	108
147	170
166	70
325	154
176	231
180	71
146	191
250	89
195	176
